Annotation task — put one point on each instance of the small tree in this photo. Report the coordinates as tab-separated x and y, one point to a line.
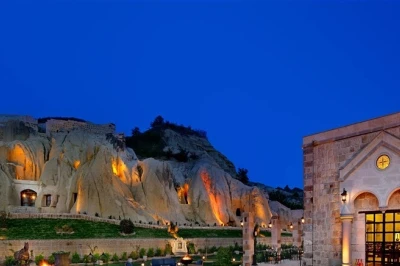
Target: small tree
158	122
223	256
135	132
242	175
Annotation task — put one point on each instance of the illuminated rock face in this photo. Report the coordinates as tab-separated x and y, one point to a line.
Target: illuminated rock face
80	172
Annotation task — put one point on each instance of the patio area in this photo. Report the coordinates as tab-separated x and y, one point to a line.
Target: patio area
282	263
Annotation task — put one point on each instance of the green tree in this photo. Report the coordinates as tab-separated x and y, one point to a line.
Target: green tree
224	257
158	122
135	132
242	175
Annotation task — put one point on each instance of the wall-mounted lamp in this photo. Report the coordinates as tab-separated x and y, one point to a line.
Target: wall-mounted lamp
291	225
270	224
241	223
344	195
302	220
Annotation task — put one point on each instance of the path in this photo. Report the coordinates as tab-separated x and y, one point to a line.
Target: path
282	263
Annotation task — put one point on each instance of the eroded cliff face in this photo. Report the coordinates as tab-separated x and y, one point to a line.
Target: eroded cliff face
79	172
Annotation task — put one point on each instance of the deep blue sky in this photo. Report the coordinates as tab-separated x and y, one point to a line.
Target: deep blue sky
256	75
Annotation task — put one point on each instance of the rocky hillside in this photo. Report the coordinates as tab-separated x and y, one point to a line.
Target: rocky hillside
169	141
170	174
291	198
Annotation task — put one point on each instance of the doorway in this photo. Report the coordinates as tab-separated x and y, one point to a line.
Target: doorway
28	197
382	238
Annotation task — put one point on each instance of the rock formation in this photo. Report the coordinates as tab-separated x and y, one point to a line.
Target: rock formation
79	171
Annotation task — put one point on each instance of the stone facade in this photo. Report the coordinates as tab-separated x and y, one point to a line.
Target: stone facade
346	158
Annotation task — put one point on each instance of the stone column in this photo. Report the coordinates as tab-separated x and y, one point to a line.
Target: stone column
248	238
276	232
347	219
297	233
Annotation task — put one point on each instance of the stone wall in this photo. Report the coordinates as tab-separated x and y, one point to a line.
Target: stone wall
114	245
54	125
117	245
324	154
5	120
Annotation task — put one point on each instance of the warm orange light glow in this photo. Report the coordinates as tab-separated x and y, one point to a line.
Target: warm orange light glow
119	168
33	197
24	195
183	194
215	206
24	167
76	164
43	263
114	165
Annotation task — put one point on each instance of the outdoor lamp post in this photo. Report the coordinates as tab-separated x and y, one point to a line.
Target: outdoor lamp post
255	233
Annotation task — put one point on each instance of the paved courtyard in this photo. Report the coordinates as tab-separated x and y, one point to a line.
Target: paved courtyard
283	263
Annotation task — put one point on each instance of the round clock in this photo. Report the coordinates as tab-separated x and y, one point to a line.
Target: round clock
383	162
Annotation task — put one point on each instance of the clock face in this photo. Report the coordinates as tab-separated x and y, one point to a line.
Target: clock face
383	162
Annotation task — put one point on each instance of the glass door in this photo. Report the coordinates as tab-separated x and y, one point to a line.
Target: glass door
382	238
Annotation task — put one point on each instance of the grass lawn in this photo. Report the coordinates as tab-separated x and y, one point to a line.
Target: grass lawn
46	229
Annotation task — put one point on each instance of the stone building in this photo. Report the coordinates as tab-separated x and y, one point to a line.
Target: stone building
352	194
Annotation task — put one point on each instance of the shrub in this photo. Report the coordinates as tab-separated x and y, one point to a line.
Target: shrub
124	256
190	247
126	226
115	257
159	252
223	256
168	249
150	252
86	259
9	261
134	255
51	259
142	252
213	249
75	258
105	257
38	259
96	257
259	257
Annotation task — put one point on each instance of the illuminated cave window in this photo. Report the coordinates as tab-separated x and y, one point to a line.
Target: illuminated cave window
28	197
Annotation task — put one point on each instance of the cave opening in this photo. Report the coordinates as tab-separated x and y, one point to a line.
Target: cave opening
28	197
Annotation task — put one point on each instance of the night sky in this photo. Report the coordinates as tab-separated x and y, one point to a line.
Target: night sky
258	76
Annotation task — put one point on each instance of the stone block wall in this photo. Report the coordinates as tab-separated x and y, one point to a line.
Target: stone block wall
114	245
324	154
